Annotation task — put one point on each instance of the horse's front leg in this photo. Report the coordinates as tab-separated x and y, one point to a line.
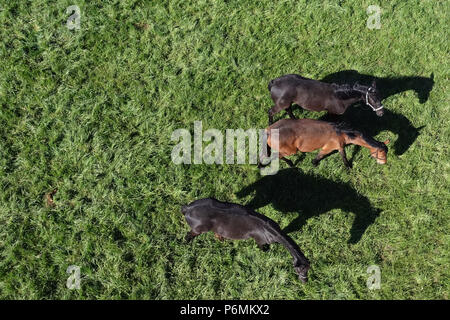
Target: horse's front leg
289	162
344	158
337	109
289	111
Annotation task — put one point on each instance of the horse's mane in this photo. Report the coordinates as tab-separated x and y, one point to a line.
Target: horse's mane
343	127
345	91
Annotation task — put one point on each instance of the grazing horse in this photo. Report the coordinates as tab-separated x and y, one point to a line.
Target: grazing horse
307	135
315	95
233	221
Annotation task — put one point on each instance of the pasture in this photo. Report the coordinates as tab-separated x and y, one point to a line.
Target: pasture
86	176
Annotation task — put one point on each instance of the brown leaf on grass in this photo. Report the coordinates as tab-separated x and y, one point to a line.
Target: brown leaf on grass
142	25
49	198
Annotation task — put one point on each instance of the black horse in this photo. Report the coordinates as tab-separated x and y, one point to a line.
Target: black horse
387	86
233	221
315	95
392	121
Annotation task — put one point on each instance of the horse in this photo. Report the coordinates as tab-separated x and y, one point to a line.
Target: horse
237	222
307	135
315	95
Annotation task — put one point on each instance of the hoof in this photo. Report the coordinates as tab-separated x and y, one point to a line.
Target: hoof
219	237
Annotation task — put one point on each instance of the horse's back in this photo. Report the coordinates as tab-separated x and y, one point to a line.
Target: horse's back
310	94
288	80
296	80
302	134
211	209
290	77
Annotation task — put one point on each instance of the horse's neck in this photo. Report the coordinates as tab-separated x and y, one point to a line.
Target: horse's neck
352	100
275	235
361	90
360	141
294	250
348	94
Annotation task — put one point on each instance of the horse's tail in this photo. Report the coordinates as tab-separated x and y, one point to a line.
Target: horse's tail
265	151
270	84
268	149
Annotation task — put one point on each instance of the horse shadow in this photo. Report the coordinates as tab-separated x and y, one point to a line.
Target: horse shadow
292	190
362	118
371	124
387	86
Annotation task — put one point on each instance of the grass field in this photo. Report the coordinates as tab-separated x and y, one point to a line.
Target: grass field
90	113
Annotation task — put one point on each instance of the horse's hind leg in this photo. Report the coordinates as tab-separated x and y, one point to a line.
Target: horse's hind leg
260	240
317	159
280	104
274	110
190	235
197	228
322	154
289	162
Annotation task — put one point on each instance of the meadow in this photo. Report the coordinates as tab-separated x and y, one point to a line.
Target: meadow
87	179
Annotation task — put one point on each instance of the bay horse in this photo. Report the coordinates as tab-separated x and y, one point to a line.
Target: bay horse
233	221
315	95
307	135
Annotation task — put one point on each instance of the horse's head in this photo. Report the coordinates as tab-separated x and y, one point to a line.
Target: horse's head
371	97
302	271
380	153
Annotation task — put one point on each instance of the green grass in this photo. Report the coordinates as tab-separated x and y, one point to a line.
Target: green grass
90	113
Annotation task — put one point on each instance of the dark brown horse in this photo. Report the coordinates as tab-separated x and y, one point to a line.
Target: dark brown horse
233	221
307	135
315	95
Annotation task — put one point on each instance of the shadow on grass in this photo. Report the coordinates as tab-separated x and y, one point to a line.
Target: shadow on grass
386	86
368	122
292	190
362	118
